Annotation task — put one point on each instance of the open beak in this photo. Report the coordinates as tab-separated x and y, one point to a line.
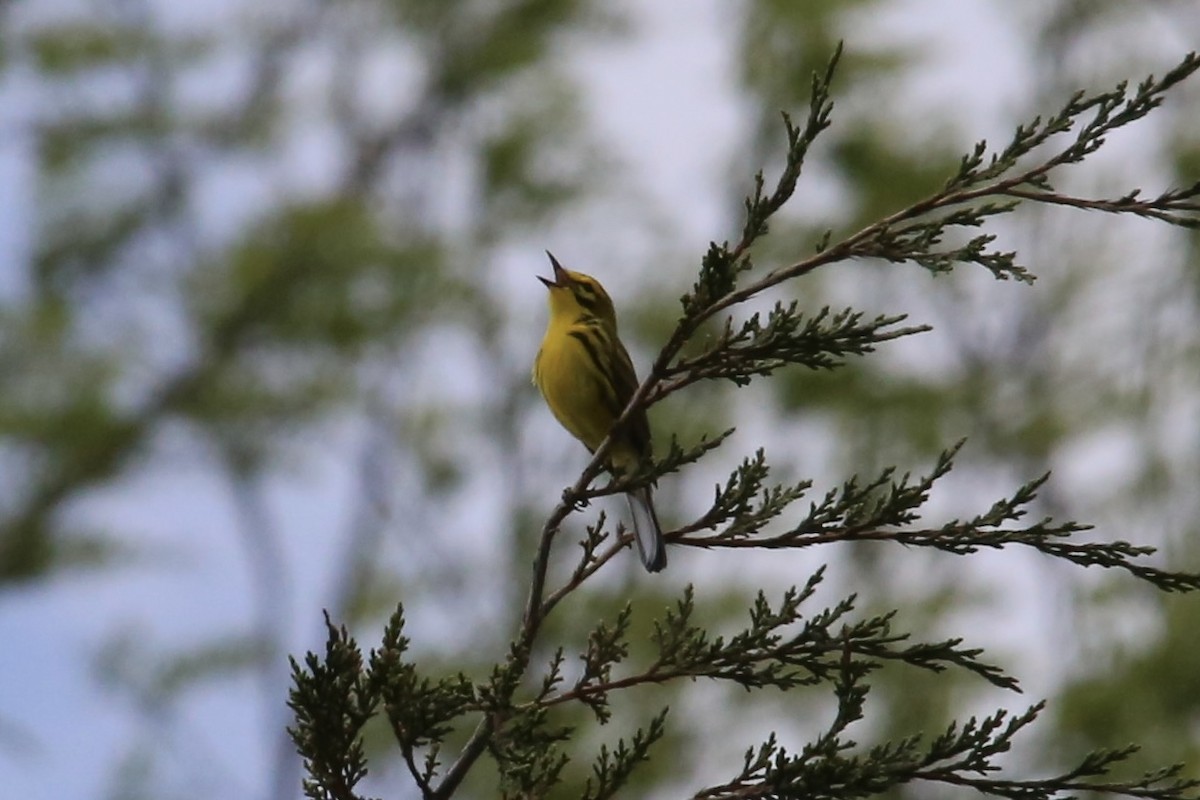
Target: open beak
560	274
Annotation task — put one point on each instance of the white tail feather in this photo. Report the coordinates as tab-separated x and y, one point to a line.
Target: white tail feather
647	532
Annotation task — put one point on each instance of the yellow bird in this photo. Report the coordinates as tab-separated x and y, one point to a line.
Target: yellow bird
587	378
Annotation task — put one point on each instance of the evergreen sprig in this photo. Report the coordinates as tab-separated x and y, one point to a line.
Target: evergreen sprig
613	767
782	648
721	265
718	274
851	511
987	187
607	646
787	337
962	756
677	456
527	749
419	710
884	509
332	699
919	242
1110	110
735	502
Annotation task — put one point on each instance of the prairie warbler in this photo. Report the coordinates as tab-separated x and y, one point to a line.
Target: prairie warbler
585	374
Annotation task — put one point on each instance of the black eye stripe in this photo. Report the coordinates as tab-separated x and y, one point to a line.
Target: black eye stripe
586	295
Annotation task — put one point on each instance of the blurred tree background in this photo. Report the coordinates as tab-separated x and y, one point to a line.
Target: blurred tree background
267	312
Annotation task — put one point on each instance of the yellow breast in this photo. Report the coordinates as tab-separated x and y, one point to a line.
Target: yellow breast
574	387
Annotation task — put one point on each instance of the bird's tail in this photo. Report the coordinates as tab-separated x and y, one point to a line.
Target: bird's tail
646	530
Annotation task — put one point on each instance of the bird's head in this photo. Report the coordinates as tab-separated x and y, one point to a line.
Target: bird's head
574	294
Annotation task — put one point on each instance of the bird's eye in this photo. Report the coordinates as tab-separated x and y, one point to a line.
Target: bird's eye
585	295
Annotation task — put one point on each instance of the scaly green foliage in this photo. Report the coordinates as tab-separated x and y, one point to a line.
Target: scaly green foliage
789	643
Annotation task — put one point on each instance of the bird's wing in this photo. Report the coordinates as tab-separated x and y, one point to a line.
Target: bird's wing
626	382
